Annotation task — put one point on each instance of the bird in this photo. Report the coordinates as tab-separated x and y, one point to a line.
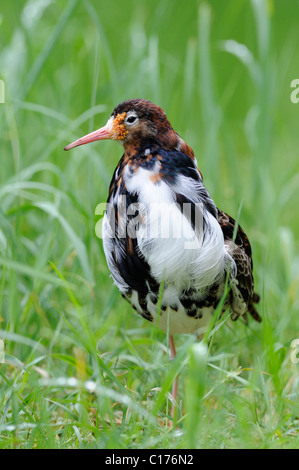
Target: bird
161	228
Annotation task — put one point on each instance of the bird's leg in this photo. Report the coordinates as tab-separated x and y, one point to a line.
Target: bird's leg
175	383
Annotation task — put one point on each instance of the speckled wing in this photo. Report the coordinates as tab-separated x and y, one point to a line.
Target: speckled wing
243	295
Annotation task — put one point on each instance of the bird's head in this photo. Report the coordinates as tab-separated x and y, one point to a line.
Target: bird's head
135	122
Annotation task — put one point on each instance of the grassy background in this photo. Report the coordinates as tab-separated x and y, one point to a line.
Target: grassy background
80	369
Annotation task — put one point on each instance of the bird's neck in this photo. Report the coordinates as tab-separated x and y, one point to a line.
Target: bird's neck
169	141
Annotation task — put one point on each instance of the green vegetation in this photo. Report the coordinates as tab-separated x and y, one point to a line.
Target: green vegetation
81	369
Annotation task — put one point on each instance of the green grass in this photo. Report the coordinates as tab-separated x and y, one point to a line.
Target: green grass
81	370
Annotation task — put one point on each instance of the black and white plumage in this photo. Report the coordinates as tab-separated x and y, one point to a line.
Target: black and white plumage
167	248
161	225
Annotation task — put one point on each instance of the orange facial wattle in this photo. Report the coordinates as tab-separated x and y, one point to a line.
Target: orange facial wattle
119	131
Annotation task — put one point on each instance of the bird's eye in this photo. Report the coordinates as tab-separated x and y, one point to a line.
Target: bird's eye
131	119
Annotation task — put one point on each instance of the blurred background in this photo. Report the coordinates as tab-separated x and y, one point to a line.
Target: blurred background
222	71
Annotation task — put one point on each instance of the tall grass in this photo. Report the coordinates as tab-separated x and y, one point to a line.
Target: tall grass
81	370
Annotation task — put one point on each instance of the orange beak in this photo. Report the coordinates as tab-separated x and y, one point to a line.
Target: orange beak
100	134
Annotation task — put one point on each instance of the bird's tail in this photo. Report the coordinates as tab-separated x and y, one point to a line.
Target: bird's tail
251	308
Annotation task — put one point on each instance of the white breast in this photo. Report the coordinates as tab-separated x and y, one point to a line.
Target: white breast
174	252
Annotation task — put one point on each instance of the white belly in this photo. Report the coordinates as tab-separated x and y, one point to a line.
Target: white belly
177	322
